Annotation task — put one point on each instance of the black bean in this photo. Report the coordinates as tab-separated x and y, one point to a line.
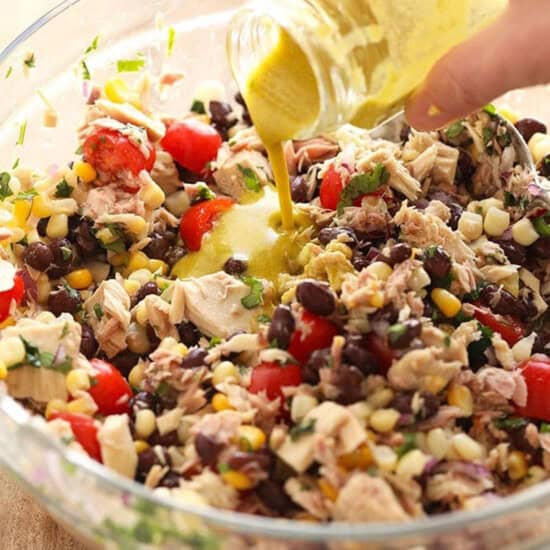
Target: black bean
466	168
189	334
541	249
282	327
246	114
401	335
502	302
159	245
542	343
400	253
356	353
85	238
148	289
528	127
154	340
450	201
149	458
174	254
220	115
544	166
299	189
328	234
42	225
437	262
169	439
421	204
317	297
235	266
430	405
348	380
88	343
386	315
360	261
207	449
64	258
125	361
239	460
31	289
142	401
516	253
274	497
402	402
405	133
168	398
38	256
318	360
195	358
171	480
64	300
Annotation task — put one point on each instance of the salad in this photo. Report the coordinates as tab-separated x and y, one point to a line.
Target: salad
393	362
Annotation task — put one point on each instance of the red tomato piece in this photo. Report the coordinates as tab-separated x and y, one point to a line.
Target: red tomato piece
331	188
272	377
192	144
313	333
378	346
200	218
111	152
509	328
15	293
84	430
536	373
110	390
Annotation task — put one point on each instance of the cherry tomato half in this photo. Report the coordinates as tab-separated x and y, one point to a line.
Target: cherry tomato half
84	430
192	144
536	373
331	188
15	293
111	152
313	333
110	390
509	328
200	218
272	377
379	347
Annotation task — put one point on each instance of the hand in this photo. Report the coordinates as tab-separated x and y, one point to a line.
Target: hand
514	52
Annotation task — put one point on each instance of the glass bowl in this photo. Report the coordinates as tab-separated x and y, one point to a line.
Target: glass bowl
104	509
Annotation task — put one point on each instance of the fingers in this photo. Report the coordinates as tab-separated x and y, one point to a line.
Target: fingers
512	53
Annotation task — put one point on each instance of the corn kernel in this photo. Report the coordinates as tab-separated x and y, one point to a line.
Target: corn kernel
380	270
361	410
80	279
21	211
377	300
137	226
158	266
131	286
301	405
434	383
411	464
328	490
118	260
81	406
12	351
496	222
85	171
487	204
384	457
141	315
517	465
152	195
470	225
438	443
540	148
77	380
145	423
221	403
40	207
58	226
3	370
251	438
466	447
384	420
361	458
141	446
226	371
460	396
447	303
381	398
508	113
137	260
117	90
136	375
524	233
142	276
237	480
55	406
181	349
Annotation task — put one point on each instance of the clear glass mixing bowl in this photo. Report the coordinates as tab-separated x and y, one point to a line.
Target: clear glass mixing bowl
103	508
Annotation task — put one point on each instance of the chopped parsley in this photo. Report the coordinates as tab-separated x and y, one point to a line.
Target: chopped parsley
488	136
509	199
307	427
5	189
263	318
98	310
198	107
510	423
93	46
255	297
454	130
504	139
214	341
544	428
27	195
85	71
63	190
447	341
22	132
486	332
66	253
130	65
408	445
44	359
30	61
395	332
205	193
541	225
171	40
362	185
9	72
251	179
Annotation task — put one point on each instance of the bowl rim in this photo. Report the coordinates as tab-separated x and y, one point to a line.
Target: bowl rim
240	522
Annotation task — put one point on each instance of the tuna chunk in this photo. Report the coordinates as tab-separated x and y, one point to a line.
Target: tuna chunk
117	447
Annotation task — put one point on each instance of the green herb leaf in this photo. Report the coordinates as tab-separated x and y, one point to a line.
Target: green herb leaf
510	423
98	310
263	318
224	468
544	428
85	71
66	253
9	72
214	341
255	298
488	136
205	193
36	358
306	427
27	195
407	446
63	190
454	130
251	179
5	189
447	341
490	109
171	40
198	107
541	226
22	132
395	332
79	150
504	139
362	185
65	330
73	293
130	65
16	163
30	61
93	46
486	332
509	199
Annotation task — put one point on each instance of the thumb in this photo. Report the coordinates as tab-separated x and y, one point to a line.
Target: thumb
511	53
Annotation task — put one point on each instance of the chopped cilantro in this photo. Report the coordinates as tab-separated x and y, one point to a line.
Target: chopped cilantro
454	130
263	318
488	136
408	445
16	163
5	189
130	65
22	132
93	46
214	341
205	193
98	310
541	225
250	178
66	253
79	150
509	199
255	297
171	40
198	107
510	423
36	358
304	428
395	332
9	72
544	428
362	185
447	341
73	293
26	195
30	61
63	190
490	109
486	332
224	468
504	139
85	71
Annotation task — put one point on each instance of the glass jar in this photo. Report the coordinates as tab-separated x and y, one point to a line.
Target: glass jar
367	55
